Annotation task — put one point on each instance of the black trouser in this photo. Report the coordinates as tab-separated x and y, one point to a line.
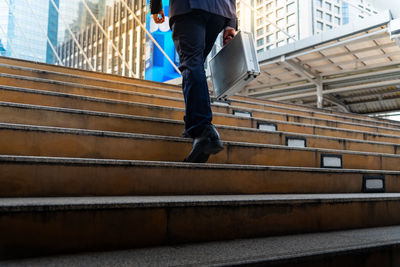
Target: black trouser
194	35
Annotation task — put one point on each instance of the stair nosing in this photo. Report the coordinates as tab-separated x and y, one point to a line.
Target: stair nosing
127	202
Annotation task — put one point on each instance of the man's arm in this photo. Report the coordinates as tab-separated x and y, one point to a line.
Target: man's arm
156	6
157	11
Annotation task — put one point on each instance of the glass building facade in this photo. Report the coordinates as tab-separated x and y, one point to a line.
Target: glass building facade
25	26
120	51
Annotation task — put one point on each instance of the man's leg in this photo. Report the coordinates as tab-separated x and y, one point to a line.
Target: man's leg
190	34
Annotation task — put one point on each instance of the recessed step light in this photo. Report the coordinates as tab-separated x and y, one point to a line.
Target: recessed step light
373	184
221	102
267	127
244	114
331	161
296	142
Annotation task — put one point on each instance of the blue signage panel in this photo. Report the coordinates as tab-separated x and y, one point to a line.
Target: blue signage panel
158	68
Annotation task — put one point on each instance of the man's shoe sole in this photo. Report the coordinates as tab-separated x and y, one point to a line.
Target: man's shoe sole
202	155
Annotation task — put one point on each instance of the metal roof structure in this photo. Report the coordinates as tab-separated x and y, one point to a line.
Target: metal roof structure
353	68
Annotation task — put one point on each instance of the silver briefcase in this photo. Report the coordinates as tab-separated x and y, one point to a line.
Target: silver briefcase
234	66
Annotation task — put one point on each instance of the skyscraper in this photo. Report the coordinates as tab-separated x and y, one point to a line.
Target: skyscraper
25	26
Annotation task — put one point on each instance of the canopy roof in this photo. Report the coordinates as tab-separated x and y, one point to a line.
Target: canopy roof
357	66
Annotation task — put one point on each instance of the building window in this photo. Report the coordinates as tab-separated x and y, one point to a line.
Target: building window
260	21
260	50
260	42
269	6
268	28
281	43
291	30
280	23
260	31
337	21
329	27
328	17
291	8
320	25
270	38
270	47
279	3
319	3
280	35
280	12
319	14
337	10
328	6
291	19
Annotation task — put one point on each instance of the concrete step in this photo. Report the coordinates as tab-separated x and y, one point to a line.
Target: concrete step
160	89
258	111
46	176
56	99
27	140
35	226
84	74
369	247
90	120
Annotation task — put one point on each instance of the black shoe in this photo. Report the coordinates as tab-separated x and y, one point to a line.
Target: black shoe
207	143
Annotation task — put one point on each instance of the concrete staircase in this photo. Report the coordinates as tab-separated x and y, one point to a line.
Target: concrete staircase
93	162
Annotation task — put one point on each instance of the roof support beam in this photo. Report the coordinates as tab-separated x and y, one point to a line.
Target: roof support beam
299	69
335	101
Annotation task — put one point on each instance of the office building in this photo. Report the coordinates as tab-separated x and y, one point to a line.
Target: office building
24	28
122	31
357	9
298	18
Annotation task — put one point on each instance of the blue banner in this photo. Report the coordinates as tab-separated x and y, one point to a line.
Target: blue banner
158	68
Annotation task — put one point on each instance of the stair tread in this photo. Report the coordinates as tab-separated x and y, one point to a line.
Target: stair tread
68	203
234	252
111	134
